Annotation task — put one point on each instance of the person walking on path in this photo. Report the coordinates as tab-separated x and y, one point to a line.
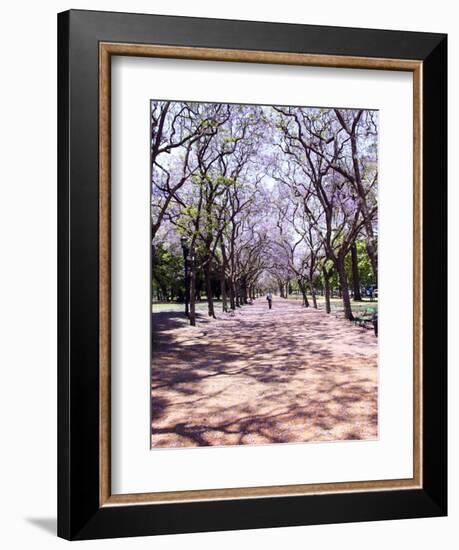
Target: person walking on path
269	297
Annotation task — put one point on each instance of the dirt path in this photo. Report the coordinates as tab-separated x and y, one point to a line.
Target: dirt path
263	376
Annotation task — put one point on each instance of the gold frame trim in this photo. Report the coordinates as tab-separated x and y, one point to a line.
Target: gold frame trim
106	50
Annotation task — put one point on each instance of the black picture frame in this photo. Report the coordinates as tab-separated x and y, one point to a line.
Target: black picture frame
80	515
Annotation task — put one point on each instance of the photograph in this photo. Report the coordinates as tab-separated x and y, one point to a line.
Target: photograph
264	274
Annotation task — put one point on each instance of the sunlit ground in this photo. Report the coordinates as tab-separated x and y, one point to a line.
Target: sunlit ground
201	306
289	374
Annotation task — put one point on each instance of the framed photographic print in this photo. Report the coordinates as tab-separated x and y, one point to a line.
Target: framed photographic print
252	235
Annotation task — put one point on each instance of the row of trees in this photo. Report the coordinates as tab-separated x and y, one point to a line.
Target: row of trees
258	197
169	283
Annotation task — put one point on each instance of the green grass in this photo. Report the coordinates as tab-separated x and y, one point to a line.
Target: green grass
201	307
337	303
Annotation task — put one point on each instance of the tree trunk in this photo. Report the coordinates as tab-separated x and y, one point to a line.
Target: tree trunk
232	296
355	274
344	289
372	247
373	255
281	290
313	294
326	275
210	300
303	293
244	292
223	285
237	294
192	276
223	289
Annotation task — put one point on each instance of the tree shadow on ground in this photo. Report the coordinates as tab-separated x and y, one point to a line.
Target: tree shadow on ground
263	380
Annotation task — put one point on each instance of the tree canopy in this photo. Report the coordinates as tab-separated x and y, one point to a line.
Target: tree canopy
255	198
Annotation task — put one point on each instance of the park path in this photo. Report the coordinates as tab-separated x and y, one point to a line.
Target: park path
288	374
